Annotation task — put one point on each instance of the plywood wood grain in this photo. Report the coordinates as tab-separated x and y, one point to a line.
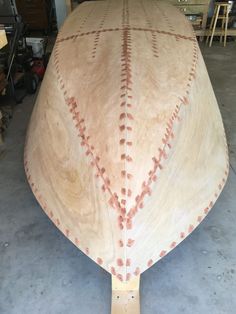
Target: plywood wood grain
126	150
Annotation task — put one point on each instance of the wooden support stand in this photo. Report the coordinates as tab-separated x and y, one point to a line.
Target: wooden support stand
224	26
125	296
69	6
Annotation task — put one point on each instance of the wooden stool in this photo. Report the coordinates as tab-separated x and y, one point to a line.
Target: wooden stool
215	18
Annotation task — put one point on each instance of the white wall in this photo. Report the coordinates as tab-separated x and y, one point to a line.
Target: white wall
61	12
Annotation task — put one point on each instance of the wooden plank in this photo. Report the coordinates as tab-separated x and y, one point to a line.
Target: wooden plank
69	6
189	2
125	296
218	31
3	81
3	38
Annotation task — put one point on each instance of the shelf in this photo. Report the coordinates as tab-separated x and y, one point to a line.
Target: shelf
218	31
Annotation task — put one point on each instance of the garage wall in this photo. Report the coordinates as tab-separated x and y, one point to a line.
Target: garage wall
61	12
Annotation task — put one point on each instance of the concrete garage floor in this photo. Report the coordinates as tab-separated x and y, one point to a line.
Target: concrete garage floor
42	272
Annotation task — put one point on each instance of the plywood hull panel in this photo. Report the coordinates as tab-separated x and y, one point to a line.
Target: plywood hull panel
126	150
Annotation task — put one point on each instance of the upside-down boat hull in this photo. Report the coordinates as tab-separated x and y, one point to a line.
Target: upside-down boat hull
126	150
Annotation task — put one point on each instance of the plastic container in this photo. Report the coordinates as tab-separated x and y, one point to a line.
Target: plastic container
37	44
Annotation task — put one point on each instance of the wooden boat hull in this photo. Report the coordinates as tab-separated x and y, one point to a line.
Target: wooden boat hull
126	150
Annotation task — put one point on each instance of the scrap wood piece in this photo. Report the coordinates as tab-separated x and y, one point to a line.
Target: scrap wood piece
3	38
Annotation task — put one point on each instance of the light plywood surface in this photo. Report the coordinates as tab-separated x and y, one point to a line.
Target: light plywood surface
126	150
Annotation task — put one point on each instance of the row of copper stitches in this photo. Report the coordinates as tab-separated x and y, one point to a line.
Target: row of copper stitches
101	25
126	118
154	35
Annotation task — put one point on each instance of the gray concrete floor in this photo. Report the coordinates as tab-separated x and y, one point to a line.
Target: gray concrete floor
42	272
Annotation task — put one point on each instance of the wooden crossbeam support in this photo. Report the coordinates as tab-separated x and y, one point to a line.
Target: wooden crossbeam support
125	296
